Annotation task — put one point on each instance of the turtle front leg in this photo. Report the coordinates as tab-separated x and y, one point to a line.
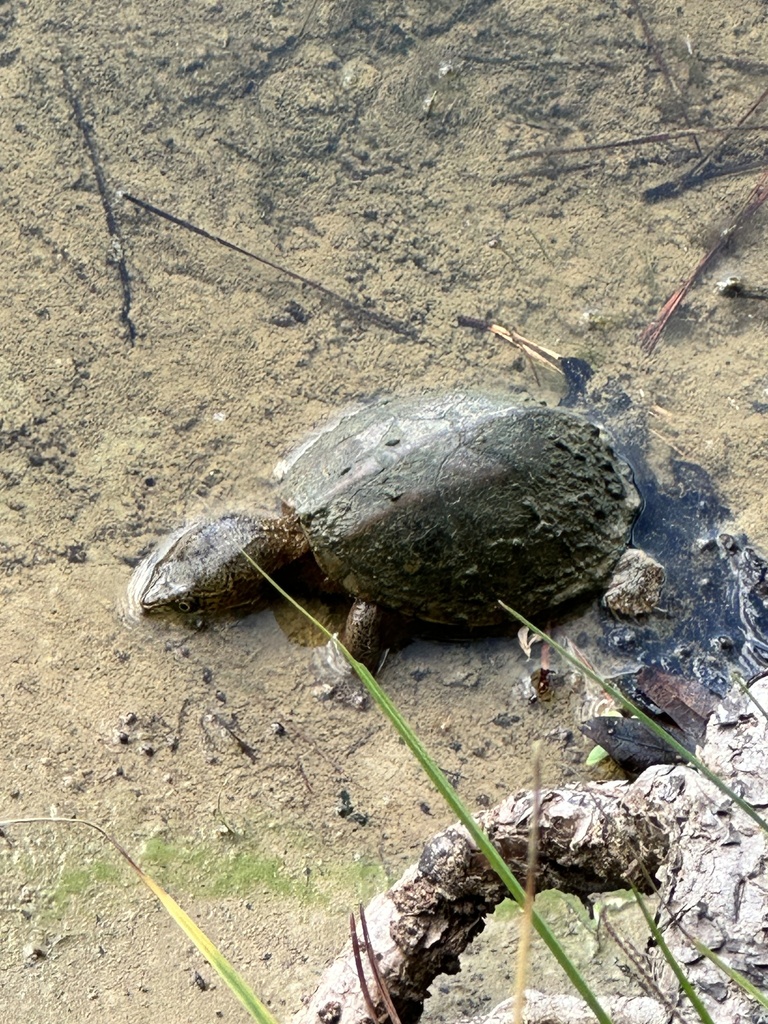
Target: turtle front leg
362	638
362	633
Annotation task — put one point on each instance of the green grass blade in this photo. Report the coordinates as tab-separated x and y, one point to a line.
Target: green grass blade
744	983
669	956
234	981
207	948
748	694
644	718
461	811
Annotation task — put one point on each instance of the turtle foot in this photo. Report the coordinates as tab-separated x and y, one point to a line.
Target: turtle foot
336	678
636	585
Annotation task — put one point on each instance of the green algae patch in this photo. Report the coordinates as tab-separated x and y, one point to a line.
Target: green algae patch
90	880
240	870
206	871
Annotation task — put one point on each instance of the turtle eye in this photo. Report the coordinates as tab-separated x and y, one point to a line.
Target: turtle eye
187	605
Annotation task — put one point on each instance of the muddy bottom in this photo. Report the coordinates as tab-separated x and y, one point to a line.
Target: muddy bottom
150	377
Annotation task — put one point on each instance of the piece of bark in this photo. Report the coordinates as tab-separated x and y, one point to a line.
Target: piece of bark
709	856
421	926
543	1008
715	886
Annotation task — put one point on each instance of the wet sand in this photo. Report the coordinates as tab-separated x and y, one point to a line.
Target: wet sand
372	150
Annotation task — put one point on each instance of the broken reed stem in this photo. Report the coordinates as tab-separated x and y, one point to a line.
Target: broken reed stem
649	338
370	1008
643	140
386	998
381	984
526	921
530	349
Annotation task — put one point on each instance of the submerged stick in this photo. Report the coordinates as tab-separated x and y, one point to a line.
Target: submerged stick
696	172
639	140
650	337
381	319
664	68
117	255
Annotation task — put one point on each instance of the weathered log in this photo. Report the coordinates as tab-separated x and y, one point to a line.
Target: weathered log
709	857
545	1008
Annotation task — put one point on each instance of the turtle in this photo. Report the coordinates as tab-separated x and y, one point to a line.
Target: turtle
432	506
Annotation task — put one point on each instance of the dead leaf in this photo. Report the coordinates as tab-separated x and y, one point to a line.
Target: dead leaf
526	639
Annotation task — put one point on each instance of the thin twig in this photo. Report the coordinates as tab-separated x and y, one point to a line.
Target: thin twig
360	972
381	319
382	985
243	745
649	338
658	56
117	255
646	980
707	158
639	140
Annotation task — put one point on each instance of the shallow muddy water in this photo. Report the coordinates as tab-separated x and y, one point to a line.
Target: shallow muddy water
374	149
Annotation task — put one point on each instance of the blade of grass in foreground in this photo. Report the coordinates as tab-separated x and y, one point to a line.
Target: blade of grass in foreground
669	956
450	796
216	959
744	983
644	718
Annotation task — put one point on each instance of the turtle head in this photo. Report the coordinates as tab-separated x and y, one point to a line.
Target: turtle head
186	572
208	565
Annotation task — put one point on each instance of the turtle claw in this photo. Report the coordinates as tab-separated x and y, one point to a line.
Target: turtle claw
336	678
636	585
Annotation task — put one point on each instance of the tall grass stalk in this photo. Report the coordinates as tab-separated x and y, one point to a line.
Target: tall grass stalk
460	809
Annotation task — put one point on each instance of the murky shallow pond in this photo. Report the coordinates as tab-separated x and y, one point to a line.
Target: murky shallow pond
373	150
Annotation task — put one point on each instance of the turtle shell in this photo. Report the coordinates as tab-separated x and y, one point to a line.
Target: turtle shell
439	506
